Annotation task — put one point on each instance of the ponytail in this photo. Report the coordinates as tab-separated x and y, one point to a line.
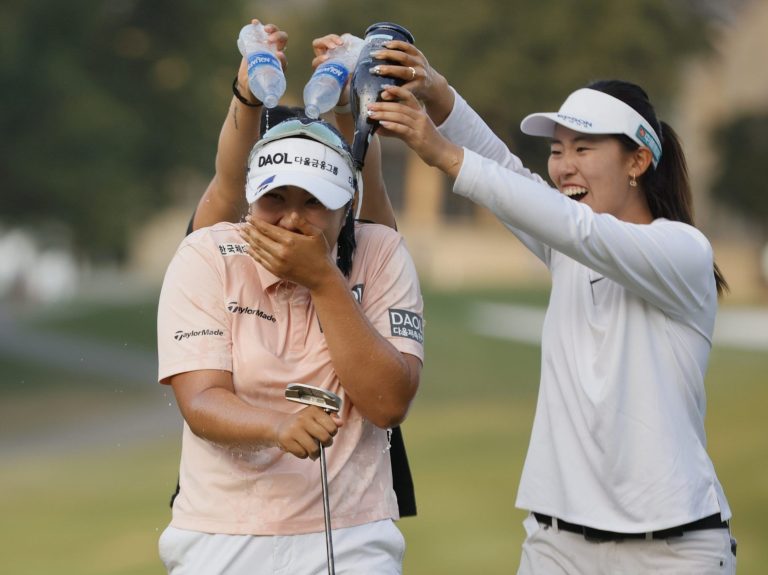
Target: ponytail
346	244
667	187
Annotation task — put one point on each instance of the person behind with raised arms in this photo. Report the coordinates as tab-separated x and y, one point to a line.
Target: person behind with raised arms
617	477
223	200
299	293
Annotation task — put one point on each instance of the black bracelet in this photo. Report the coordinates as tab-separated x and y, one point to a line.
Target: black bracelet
239	96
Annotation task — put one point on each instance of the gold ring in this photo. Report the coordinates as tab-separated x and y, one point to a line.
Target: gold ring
413	72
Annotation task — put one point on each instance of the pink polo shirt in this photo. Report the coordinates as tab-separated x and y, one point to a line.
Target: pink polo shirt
220	310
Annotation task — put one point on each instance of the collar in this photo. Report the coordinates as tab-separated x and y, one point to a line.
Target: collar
267	278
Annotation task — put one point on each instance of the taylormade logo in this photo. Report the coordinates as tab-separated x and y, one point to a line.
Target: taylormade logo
234	307
180	335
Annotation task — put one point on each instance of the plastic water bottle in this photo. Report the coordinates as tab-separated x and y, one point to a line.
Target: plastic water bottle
366	87
324	87
265	74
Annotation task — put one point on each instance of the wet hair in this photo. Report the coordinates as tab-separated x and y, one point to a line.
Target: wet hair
667	187
346	243
272	116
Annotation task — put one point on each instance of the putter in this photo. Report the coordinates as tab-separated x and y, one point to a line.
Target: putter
328	401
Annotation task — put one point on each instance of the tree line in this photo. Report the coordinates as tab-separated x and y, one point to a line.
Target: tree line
109	108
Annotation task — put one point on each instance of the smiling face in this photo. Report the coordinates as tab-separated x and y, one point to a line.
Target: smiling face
283	205
595	170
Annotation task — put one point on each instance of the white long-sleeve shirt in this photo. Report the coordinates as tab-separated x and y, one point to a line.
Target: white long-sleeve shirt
618	440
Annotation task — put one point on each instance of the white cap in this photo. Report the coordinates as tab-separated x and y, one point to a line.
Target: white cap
593	112
301	162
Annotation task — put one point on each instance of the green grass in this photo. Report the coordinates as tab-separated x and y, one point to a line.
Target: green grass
738	445
132	323
460	364
20	377
101	510
95	513
466	458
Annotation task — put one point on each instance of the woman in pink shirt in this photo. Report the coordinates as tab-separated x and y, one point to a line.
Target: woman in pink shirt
298	293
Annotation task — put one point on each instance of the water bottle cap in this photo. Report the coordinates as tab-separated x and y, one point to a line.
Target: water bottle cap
392	28
270	100
312	111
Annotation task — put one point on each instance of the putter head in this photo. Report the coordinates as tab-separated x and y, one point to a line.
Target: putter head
311	395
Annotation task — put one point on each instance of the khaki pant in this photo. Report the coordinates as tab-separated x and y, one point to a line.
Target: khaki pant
548	551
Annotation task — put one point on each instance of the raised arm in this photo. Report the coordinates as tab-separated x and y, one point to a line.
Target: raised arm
376	204
446	109
662	263
224	199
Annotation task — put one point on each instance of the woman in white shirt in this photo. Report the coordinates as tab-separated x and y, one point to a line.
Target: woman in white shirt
617	477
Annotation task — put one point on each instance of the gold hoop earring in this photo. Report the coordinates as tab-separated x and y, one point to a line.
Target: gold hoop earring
632	180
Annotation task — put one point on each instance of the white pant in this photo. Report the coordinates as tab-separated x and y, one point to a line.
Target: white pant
547	551
376	547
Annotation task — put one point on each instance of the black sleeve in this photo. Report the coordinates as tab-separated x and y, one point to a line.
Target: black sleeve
190	229
402	482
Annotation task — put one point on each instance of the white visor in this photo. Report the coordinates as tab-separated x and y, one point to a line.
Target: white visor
593	112
303	163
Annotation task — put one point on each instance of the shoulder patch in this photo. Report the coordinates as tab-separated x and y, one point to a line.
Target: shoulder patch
405	323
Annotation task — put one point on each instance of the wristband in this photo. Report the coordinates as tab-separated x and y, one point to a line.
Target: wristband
240	97
343	109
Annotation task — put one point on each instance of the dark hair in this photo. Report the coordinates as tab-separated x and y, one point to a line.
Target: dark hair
346	243
666	187
272	116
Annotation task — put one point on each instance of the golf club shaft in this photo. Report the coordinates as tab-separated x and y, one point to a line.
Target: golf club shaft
326	513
